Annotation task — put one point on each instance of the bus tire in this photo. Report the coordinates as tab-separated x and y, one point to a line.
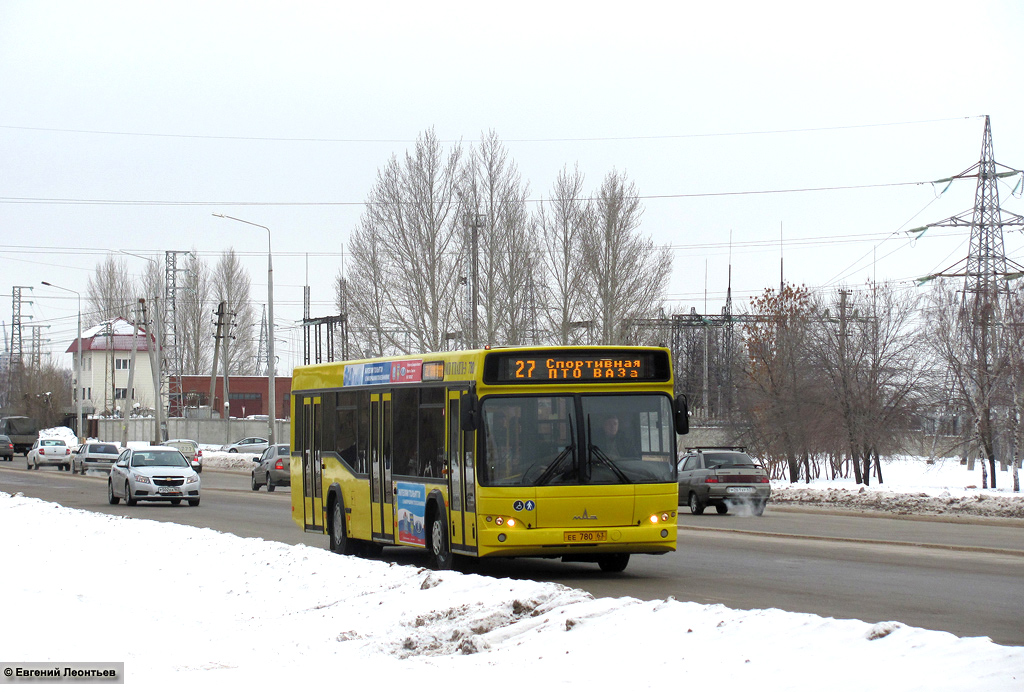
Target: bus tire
613	563
340	542
441	556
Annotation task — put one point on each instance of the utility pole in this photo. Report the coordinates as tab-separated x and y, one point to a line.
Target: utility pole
216	353
226	390
130	397
160	429
473	223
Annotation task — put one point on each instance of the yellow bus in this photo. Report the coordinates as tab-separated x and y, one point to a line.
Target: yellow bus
566	452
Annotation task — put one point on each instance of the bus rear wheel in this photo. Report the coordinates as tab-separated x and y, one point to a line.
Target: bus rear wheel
340	543
441	556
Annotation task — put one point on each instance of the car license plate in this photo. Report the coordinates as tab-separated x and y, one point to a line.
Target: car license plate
585	536
740	490
168	491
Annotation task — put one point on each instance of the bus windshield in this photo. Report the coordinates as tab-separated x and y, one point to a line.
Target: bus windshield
577	440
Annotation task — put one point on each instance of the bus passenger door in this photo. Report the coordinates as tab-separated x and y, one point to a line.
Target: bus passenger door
382	516
453	464
312	465
461	479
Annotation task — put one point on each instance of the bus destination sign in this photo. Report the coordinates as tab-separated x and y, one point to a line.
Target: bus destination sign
576	366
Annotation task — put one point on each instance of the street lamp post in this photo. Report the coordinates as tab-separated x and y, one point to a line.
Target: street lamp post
78	361
271	364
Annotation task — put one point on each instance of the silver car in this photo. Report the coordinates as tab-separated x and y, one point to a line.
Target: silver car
152	474
273	468
249	445
94	455
724	477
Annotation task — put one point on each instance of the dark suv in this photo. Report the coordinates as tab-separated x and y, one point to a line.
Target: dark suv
723	477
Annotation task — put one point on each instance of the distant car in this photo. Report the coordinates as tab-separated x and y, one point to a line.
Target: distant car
94	455
191	450
6	448
47	451
723	477
273	468
152	474
249	445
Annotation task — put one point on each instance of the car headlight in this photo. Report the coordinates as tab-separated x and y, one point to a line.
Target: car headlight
140	479
192	479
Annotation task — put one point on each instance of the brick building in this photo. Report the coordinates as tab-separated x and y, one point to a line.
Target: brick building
247	394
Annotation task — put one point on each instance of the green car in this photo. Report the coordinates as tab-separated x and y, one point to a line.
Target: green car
725	477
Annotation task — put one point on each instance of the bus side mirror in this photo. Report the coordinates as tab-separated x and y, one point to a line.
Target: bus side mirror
682	415
468	403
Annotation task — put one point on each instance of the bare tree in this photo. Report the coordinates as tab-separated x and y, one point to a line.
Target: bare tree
562	222
493	206
364	291
873	360
194	307
47	392
231	284
628	273
110	291
780	396
411	224
967	336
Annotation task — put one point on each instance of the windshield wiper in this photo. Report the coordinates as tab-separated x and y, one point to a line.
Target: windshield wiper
550	471
597	453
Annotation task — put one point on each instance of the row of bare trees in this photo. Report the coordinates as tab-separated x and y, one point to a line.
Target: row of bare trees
113	293
831	382
449	254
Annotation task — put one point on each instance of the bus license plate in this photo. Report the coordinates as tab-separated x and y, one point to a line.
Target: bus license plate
585	536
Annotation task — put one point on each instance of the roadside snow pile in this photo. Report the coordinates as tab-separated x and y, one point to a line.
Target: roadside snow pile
226	461
912	486
873	499
330	615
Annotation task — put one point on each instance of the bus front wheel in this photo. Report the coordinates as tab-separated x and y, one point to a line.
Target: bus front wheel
613	563
441	556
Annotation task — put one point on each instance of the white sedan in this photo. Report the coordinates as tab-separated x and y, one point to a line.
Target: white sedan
152	474
49	452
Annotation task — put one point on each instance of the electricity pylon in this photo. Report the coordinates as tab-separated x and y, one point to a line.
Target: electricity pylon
986	272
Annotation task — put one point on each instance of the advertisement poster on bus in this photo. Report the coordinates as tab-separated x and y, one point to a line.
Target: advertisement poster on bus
366	374
406	370
410	512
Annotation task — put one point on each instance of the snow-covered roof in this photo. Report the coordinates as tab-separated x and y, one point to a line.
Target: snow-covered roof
117	332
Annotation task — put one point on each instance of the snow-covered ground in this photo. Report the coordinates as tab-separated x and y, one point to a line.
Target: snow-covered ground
179	605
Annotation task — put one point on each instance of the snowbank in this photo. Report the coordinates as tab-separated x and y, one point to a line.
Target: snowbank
179	605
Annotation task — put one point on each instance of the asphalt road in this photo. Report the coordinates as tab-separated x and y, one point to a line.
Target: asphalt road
964	577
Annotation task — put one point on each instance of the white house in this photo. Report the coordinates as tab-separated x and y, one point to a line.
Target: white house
106	364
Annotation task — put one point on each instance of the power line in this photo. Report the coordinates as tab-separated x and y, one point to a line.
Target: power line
355	140
185	203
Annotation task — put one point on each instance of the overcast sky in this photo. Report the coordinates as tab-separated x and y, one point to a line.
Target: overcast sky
127	125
